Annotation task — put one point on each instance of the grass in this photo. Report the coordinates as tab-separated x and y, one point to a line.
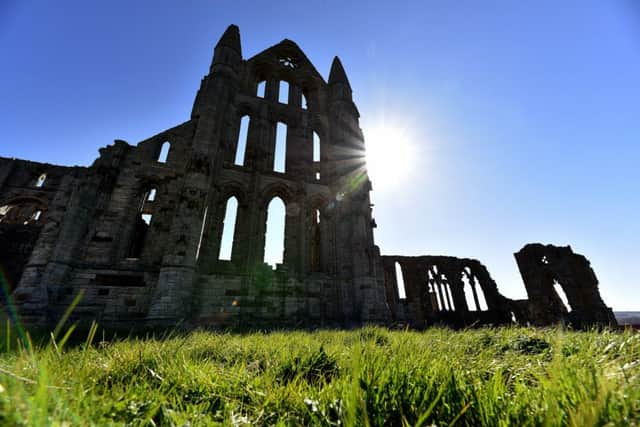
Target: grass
370	376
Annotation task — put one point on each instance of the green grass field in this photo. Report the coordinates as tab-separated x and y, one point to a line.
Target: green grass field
370	376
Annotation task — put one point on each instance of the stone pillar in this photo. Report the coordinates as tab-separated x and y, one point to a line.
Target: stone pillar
172	299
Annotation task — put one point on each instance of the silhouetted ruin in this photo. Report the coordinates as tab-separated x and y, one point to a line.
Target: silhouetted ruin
140	230
550	270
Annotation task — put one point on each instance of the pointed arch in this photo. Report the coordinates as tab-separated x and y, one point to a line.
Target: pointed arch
41	179
469	291
228	229
276	189
22	210
275	232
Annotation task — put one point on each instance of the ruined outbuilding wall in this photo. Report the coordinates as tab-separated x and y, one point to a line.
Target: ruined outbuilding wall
444	290
547	270
449	290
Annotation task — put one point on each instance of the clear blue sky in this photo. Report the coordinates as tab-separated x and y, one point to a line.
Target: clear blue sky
523	118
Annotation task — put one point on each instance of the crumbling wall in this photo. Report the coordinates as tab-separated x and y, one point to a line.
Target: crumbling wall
547	269
16	243
435	292
139	231
29	213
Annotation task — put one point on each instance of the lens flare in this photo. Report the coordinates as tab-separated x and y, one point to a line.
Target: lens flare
390	155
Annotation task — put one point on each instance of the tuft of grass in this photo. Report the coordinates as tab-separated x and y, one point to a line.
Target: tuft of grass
365	377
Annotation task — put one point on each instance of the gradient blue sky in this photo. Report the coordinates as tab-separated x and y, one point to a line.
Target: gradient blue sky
523	117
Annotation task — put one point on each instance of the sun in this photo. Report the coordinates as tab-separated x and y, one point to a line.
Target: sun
390	155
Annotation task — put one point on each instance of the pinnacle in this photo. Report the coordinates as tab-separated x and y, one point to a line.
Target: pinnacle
231	39
337	74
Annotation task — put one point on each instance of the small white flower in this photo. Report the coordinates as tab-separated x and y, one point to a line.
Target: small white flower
312	404
239	419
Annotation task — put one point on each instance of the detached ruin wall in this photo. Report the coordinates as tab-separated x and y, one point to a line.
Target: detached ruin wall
139	232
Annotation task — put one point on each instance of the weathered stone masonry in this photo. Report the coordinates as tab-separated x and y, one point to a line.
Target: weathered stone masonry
139	231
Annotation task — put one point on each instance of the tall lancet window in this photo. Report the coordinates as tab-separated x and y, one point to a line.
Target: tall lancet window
228	229
400	281
283	92
274	237
241	146
280	152
316	240
261	87
164	152
316	147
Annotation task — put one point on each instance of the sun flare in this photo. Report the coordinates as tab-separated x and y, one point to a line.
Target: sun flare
390	155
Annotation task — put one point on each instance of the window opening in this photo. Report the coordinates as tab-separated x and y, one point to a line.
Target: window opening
164	152
468	293
241	146
41	179
563	297
438	301
315	241
139	235
303	102
287	62
443	296
4	210
435	288
228	229
204	221
261	88
316	147
450	297
280	152
141	227
481	299
400	281
274	237
283	92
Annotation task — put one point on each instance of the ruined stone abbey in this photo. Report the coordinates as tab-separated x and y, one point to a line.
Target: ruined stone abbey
139	232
